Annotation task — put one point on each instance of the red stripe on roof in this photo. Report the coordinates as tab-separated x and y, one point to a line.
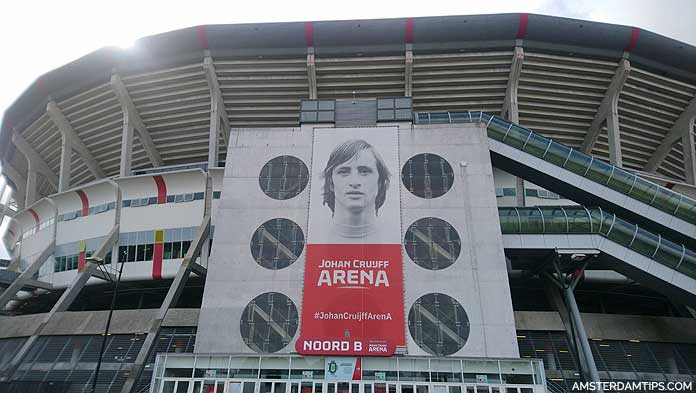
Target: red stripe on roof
634	38
409	31
202	37
161	189
522	31
85	202
309	33
669	186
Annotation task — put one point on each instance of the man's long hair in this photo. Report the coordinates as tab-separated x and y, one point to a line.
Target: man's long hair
345	152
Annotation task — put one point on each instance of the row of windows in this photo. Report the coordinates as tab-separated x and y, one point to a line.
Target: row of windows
68	262
104	207
530	192
170	199
143	237
144	252
41	227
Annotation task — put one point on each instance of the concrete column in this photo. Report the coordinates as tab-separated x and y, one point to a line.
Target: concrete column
519	191
408	71
126	146
30	195
689	155
65	163
311	73
213	136
614	134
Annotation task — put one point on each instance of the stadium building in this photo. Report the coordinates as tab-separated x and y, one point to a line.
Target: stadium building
496	203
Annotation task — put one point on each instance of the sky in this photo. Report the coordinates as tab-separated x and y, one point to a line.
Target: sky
38	36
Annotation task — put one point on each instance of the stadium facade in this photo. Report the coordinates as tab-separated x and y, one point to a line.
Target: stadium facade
499	203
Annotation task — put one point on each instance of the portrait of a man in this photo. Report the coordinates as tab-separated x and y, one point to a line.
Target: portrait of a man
356	180
354	197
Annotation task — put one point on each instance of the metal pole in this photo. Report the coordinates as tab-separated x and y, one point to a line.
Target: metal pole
106	330
582	335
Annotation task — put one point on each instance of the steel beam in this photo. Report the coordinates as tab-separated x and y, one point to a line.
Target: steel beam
133	121
608	111
20	182
187	266
510	109
26	276
76	143
91	269
688	146
65	172
34	160
215	91
311	73
681	127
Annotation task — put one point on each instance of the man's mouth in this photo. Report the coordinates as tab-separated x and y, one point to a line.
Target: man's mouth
354	193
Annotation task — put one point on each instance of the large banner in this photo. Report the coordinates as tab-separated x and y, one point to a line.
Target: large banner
353	282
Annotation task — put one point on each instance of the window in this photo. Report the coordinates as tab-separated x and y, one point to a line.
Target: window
269	322
395	109
277	243
432	243
283	177
427	175
317	111
217	194
438	324
70	216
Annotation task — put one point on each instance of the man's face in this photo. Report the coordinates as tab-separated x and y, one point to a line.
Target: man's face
356	182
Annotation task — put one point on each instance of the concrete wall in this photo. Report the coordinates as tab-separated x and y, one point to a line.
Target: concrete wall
477	280
234	278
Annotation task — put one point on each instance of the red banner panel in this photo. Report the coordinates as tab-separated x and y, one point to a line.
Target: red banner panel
353	300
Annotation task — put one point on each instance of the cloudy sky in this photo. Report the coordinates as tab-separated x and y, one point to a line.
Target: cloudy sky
37	37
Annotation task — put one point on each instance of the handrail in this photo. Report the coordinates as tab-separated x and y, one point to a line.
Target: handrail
582	164
593	220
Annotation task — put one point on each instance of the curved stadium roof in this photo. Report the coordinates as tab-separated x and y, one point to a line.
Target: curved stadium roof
459	63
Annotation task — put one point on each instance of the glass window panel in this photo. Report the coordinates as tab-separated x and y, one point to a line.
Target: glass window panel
269	322
309	105
131	254
283	177
325	117
644	190
432	243
438	324
277	243
578	162
326	105
427	175
176	250
140	252
557	153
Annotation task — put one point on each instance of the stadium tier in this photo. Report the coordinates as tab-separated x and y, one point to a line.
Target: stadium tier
466	204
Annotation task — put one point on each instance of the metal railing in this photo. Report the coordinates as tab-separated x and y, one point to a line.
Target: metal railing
573	160
582	220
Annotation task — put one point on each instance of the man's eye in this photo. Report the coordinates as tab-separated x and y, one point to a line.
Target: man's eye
343	172
364	171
